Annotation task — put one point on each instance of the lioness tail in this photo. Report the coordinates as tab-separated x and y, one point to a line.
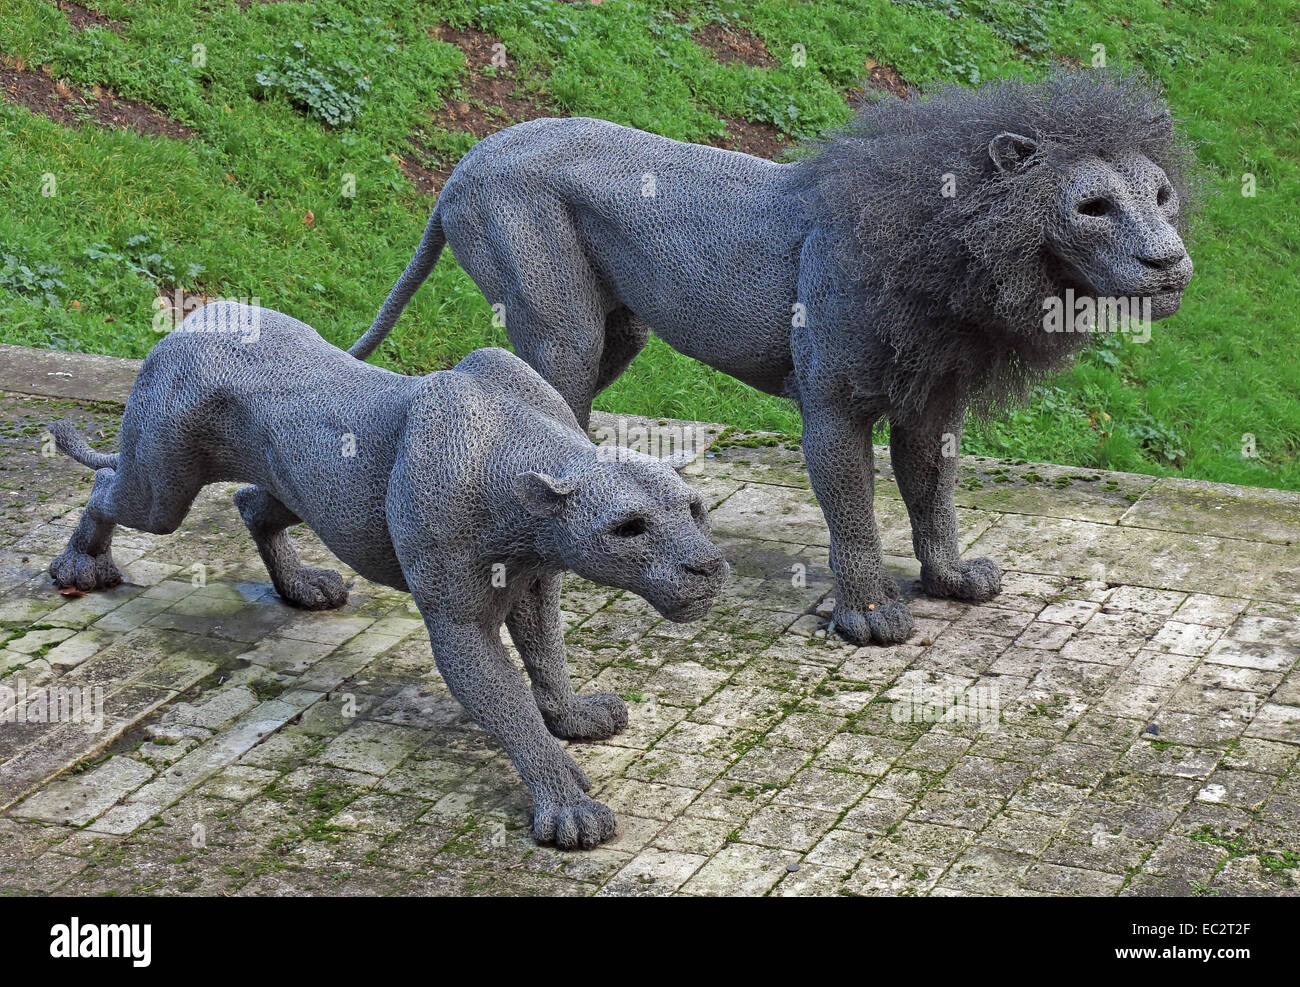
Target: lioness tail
71	443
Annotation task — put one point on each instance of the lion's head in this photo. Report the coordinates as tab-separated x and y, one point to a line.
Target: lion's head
963	212
1113	230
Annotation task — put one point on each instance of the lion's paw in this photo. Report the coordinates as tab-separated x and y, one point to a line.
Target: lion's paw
314	589
77	570
976	580
595	717
888	623
573	823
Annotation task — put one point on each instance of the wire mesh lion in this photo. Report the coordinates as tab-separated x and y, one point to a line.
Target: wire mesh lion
901	271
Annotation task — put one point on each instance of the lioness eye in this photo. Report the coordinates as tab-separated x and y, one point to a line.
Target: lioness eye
630	528
1094	207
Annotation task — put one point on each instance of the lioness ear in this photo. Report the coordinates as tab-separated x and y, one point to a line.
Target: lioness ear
543	495
679	460
1011	151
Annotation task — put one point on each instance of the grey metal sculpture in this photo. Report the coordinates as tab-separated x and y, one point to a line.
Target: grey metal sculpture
473	489
900	271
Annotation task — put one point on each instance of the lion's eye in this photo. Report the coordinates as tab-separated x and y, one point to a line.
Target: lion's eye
1094	207
630	528
1163	195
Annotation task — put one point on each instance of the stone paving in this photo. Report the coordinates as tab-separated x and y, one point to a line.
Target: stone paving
1124	719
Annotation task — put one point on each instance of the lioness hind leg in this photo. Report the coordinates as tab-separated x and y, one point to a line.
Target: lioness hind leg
151	499
87	562
267	520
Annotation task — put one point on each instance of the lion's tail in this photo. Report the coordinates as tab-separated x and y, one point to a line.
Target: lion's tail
72	444
426	255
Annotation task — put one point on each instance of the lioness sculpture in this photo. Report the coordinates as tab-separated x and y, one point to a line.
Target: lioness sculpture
900	271
472	488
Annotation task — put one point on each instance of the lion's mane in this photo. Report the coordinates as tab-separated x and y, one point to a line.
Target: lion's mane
954	286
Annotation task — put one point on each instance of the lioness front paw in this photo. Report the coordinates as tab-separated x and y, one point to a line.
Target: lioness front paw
595	717
888	623
976	580
77	570
314	589
575	823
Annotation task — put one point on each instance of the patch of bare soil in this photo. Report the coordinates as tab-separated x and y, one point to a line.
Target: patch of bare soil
177	302
485	104
882	79
734	44
488	102
760	139
64	103
426	170
83	18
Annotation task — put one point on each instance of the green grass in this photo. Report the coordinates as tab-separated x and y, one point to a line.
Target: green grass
224	210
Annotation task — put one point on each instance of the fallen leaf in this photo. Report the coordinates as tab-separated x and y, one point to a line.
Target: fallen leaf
309	218
71	591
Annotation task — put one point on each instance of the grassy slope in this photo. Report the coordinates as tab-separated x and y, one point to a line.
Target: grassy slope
225	210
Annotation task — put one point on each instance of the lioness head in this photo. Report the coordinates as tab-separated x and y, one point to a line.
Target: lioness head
630	522
1113	227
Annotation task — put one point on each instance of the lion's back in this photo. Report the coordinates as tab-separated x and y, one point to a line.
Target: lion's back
580	157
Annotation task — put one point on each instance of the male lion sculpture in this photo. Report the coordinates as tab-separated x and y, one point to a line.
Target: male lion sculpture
900	271
471	488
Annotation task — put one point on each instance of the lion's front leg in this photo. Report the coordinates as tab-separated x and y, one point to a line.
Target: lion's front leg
535	627
924	454
841	466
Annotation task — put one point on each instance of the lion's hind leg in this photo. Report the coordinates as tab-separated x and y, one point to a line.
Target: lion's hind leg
268	520
555	305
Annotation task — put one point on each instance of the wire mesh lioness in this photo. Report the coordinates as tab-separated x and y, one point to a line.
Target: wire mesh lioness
900	271
471	488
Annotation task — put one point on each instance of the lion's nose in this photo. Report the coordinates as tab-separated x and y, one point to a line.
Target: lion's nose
705	567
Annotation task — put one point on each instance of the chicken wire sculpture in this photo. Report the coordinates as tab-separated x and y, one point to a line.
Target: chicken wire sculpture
899	271
473	489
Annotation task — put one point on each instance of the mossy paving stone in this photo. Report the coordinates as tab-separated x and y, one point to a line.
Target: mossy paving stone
753	744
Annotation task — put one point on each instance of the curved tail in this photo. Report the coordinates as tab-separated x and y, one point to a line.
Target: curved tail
426	255
71	443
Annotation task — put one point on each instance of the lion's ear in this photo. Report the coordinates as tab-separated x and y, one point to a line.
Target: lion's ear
1010	152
